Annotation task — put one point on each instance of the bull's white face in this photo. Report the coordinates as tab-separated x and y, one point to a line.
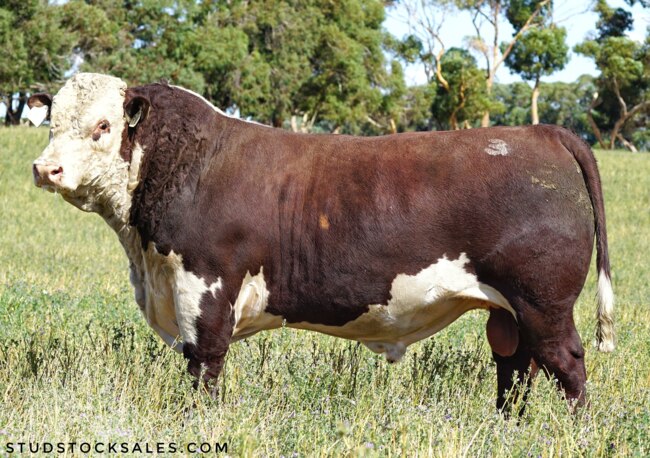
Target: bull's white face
82	161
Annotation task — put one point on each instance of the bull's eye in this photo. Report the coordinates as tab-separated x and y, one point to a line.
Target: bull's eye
103	127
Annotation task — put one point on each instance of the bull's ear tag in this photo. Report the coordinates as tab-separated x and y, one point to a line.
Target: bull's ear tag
136	110
133	121
38	114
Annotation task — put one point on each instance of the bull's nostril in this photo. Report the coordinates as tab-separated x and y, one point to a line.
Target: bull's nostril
47	174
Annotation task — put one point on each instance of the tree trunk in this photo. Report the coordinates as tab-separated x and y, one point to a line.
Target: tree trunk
277	120
615	131
622	117
628	144
453	122
594	127
12	117
485	120
533	102
393	127
625	116
494	63
453	118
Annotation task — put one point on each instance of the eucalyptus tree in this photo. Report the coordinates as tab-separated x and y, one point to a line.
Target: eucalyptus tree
462	102
306	65
486	14
138	41
540	51
623	86
426	44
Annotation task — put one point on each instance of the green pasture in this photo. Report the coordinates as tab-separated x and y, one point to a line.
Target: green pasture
79	364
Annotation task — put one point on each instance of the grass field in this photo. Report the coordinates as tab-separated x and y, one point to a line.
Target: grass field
79	364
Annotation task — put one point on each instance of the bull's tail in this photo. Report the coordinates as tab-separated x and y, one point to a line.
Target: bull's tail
585	158
605	327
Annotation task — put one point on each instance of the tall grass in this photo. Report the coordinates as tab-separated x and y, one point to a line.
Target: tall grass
78	363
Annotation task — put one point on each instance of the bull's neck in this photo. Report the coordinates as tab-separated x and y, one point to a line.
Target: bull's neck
115	205
116	216
116	213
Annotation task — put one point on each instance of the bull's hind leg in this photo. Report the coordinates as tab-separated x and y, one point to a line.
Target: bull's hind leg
541	273
545	335
512	358
513	378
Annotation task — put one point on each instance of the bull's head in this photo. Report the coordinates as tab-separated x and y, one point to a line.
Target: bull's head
82	162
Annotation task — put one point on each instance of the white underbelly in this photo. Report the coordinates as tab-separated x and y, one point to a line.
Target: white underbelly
384	331
420	305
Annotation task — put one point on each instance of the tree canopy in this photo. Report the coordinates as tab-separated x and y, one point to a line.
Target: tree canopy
540	51
464	100
623	86
283	62
318	65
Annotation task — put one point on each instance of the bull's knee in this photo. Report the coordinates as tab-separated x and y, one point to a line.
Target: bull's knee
204	366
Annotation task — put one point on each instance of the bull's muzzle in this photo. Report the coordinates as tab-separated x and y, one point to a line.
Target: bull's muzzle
47	174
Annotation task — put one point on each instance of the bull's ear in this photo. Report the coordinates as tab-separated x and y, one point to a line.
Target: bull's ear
40	106
136	109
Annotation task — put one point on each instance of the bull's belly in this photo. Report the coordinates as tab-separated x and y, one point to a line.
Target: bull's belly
420	305
386	330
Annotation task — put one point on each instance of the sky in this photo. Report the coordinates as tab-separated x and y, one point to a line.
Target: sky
576	15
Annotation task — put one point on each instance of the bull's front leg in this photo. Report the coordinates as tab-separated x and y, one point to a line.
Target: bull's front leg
205	321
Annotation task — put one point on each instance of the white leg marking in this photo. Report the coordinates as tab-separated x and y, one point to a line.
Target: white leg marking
188	291
170	295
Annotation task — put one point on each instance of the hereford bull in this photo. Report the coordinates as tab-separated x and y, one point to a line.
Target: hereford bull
232	227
